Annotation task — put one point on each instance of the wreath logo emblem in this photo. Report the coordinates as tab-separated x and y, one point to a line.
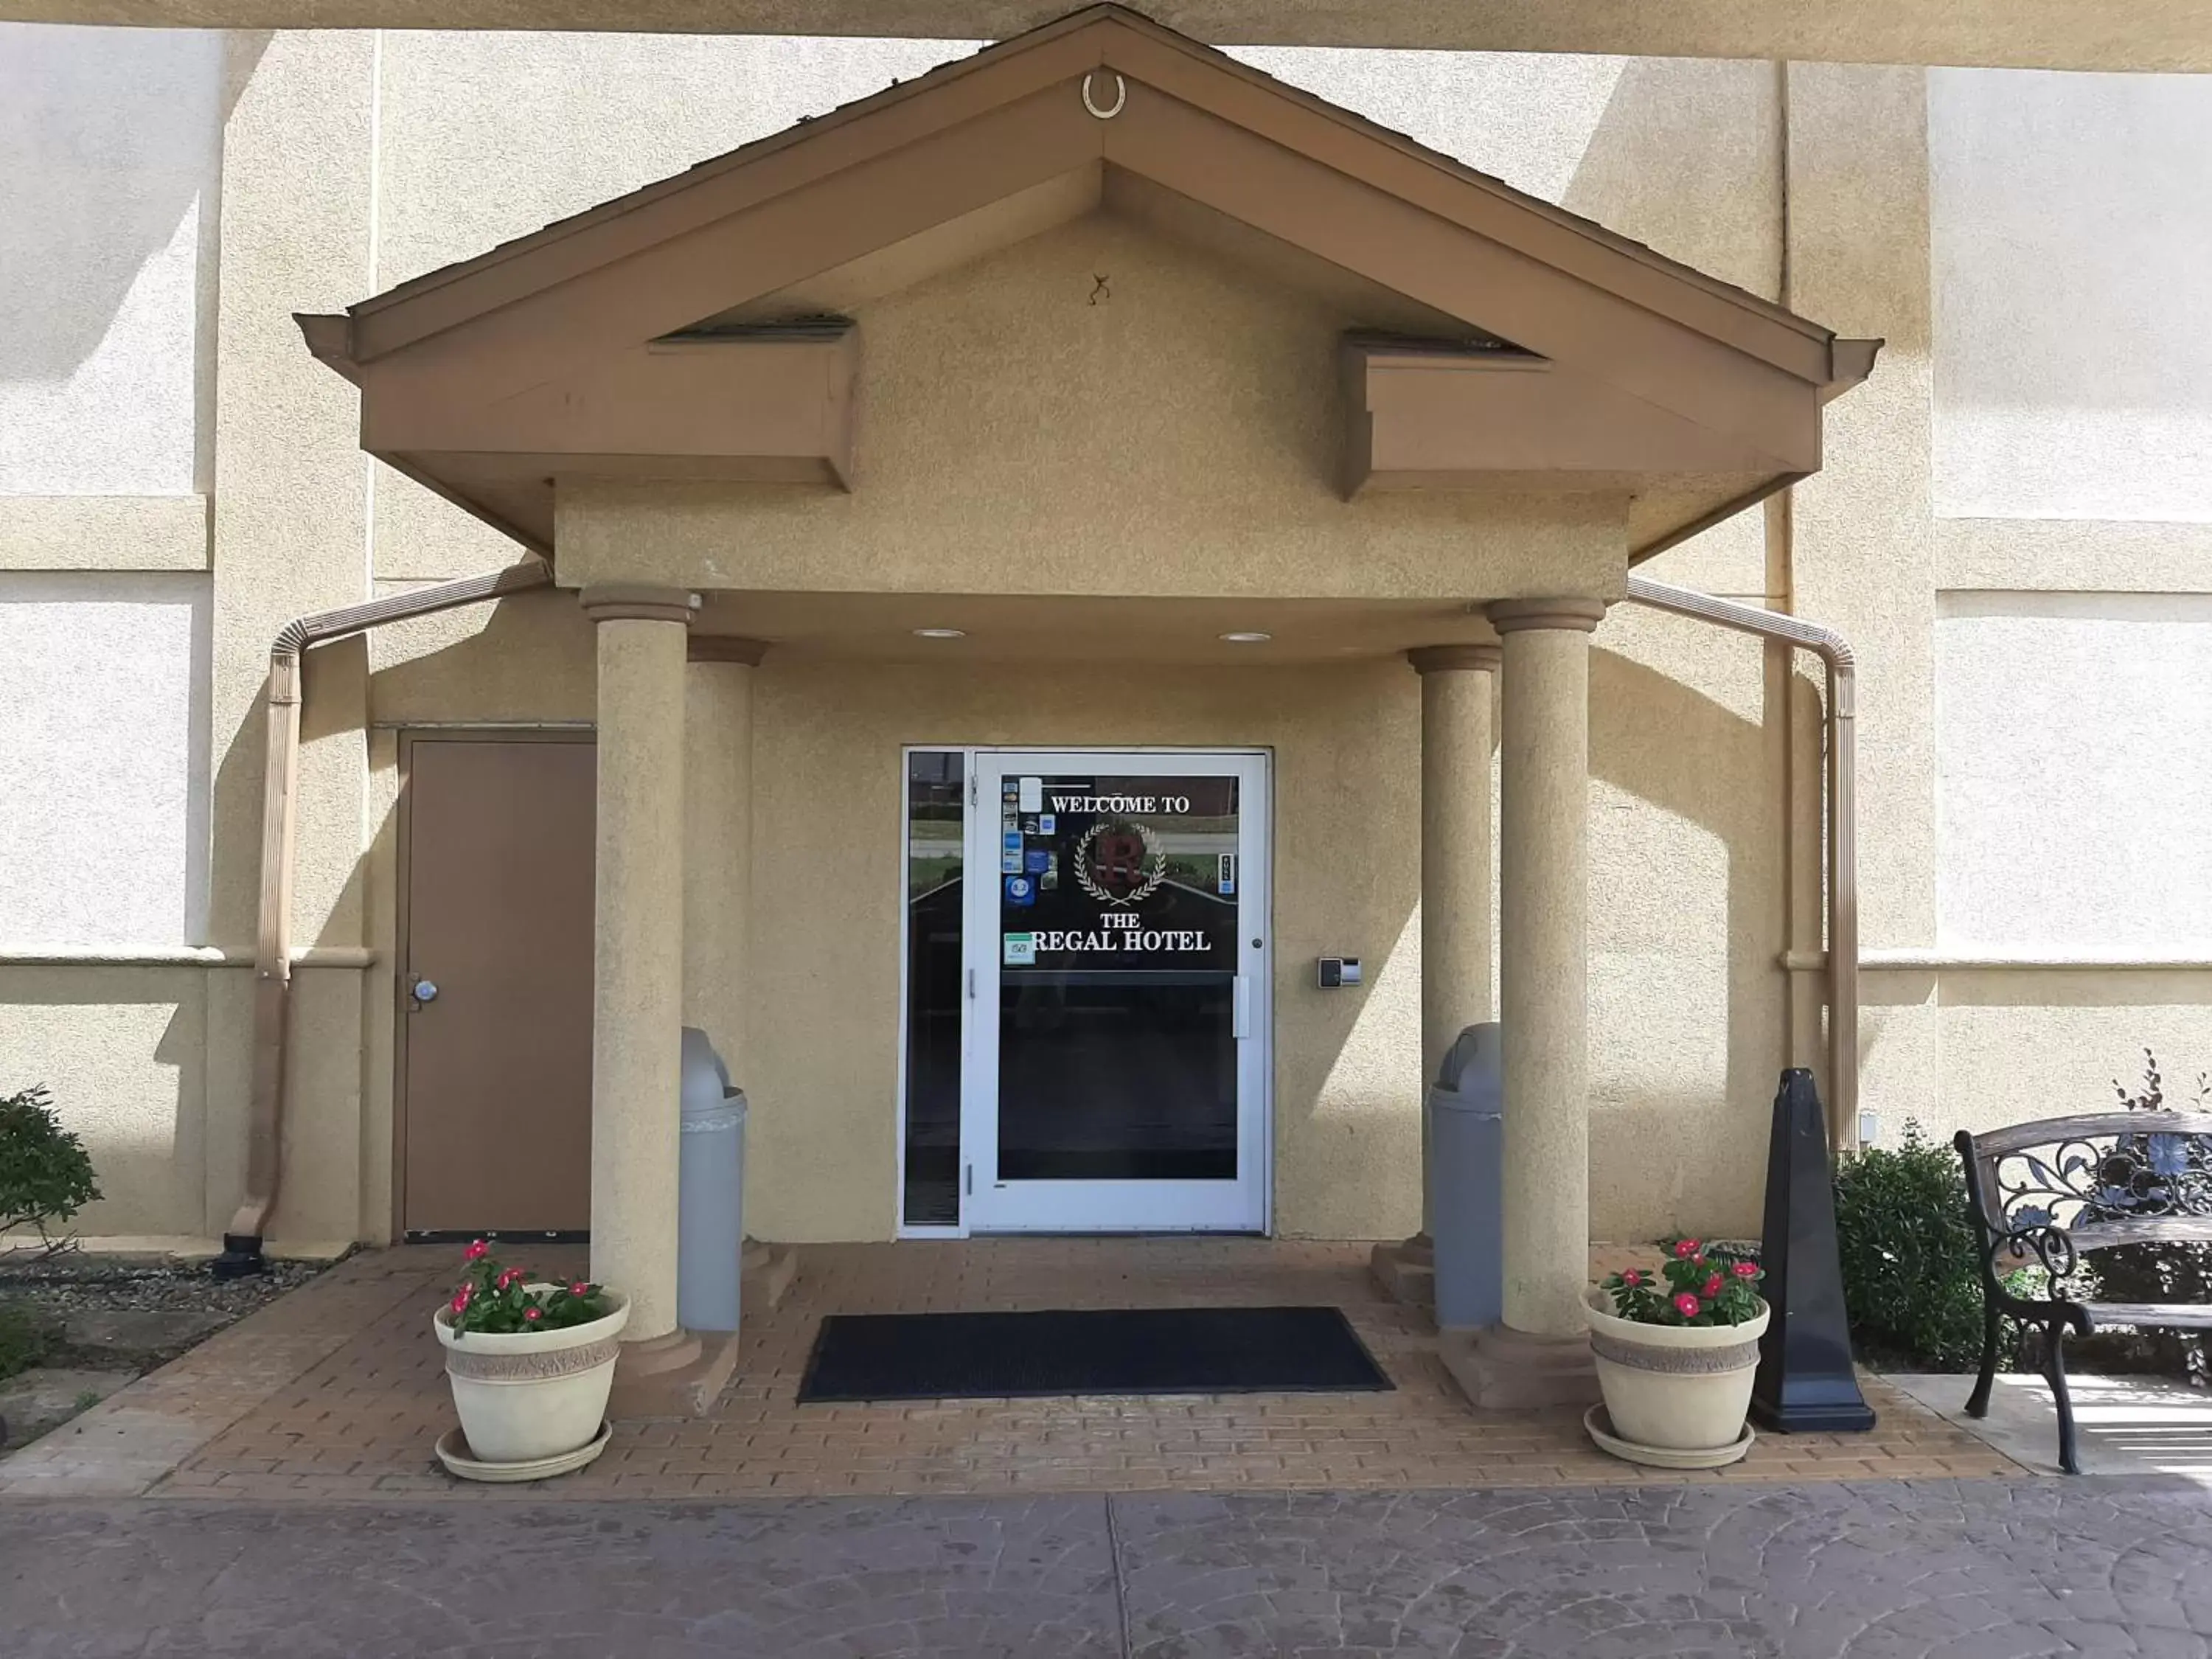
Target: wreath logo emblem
1124	854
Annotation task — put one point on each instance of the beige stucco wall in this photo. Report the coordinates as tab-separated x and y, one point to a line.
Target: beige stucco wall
2025	637
349	162
1687	1003
121	1050
830	788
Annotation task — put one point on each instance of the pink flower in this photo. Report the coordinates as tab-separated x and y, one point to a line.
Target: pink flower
461	1300
509	1278
1713	1286
476	1252
532	1316
579	1288
1631	1278
1746	1270
1685	1248
1686	1306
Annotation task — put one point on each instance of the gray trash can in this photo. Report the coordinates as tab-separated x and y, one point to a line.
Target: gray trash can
1466	1166
710	1192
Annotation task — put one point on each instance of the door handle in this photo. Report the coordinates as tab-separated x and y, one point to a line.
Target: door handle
1241	1008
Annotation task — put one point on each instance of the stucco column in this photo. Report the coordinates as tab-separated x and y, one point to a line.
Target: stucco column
1456	863
638	960
1540	1355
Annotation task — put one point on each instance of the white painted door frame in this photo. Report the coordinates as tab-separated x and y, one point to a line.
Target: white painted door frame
989	1204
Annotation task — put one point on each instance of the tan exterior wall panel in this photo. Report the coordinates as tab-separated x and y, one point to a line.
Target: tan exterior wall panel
1687	1003
103	532
2017	1046
1862	539
123	1051
528	658
1021	431
2084	556
290	535
320	1201
421	536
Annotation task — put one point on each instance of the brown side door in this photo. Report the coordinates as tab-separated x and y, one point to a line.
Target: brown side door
496	1129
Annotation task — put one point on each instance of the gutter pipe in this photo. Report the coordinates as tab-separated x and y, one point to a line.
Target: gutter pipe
1843	954
272	948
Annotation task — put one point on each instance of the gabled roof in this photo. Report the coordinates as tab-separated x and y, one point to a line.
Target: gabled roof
1101	92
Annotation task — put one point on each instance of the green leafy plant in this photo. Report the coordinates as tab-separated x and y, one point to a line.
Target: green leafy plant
2166	1272
45	1174
1693	1286
1911	1276
25	1338
508	1301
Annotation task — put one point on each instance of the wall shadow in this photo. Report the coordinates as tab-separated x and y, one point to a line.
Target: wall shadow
152	1173
107	137
1671	747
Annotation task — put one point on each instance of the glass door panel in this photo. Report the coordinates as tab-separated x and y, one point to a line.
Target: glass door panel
1118	1076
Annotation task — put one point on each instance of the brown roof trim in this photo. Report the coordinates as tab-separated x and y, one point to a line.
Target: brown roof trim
1175	66
330	342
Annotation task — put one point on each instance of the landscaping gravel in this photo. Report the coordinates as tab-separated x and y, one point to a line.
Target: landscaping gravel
108	1319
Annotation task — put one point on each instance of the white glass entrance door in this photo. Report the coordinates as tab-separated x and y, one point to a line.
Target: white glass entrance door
1115	1075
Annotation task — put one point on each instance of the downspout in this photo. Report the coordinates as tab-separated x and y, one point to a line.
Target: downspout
273	944
1843	822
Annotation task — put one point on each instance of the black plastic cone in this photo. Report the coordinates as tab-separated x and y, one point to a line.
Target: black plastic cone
1806	1383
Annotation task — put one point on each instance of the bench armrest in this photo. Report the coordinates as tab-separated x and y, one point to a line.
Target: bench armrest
2051	1248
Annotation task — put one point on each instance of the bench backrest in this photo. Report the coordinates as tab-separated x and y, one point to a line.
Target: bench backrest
2107	1177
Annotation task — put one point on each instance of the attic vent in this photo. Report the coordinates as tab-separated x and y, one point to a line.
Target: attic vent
815	326
1472	344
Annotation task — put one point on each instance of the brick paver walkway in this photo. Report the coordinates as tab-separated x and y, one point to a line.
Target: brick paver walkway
1890	1570
336	1392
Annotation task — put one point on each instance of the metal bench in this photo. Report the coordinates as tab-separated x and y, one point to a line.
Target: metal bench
2046	1194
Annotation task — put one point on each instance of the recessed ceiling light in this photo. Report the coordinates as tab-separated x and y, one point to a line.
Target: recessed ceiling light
940	633
1248	638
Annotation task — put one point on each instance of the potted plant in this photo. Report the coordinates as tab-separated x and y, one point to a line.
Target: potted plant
1676	1351
530	1364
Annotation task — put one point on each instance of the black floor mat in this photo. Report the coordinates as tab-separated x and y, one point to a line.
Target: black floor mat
1106	1350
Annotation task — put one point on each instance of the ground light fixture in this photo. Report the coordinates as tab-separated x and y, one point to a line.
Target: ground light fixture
940	633
1248	637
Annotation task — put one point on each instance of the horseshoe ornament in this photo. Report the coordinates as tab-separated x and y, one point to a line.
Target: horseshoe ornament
1121	96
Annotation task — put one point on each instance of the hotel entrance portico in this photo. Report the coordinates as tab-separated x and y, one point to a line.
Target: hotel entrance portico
1206	464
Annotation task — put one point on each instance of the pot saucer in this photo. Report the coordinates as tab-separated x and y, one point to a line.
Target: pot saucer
453	1452
1663	1457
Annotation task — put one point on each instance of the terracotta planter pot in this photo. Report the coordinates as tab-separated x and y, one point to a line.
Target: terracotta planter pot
1681	1388
535	1394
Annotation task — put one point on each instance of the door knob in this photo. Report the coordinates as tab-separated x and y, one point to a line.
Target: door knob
423	990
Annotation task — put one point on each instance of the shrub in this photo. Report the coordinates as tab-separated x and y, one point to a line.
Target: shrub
1912	1281
2163	1273
45	1174
24	1339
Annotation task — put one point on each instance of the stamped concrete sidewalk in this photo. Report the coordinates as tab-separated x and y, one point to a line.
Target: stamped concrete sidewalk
336	1392
1890	1570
